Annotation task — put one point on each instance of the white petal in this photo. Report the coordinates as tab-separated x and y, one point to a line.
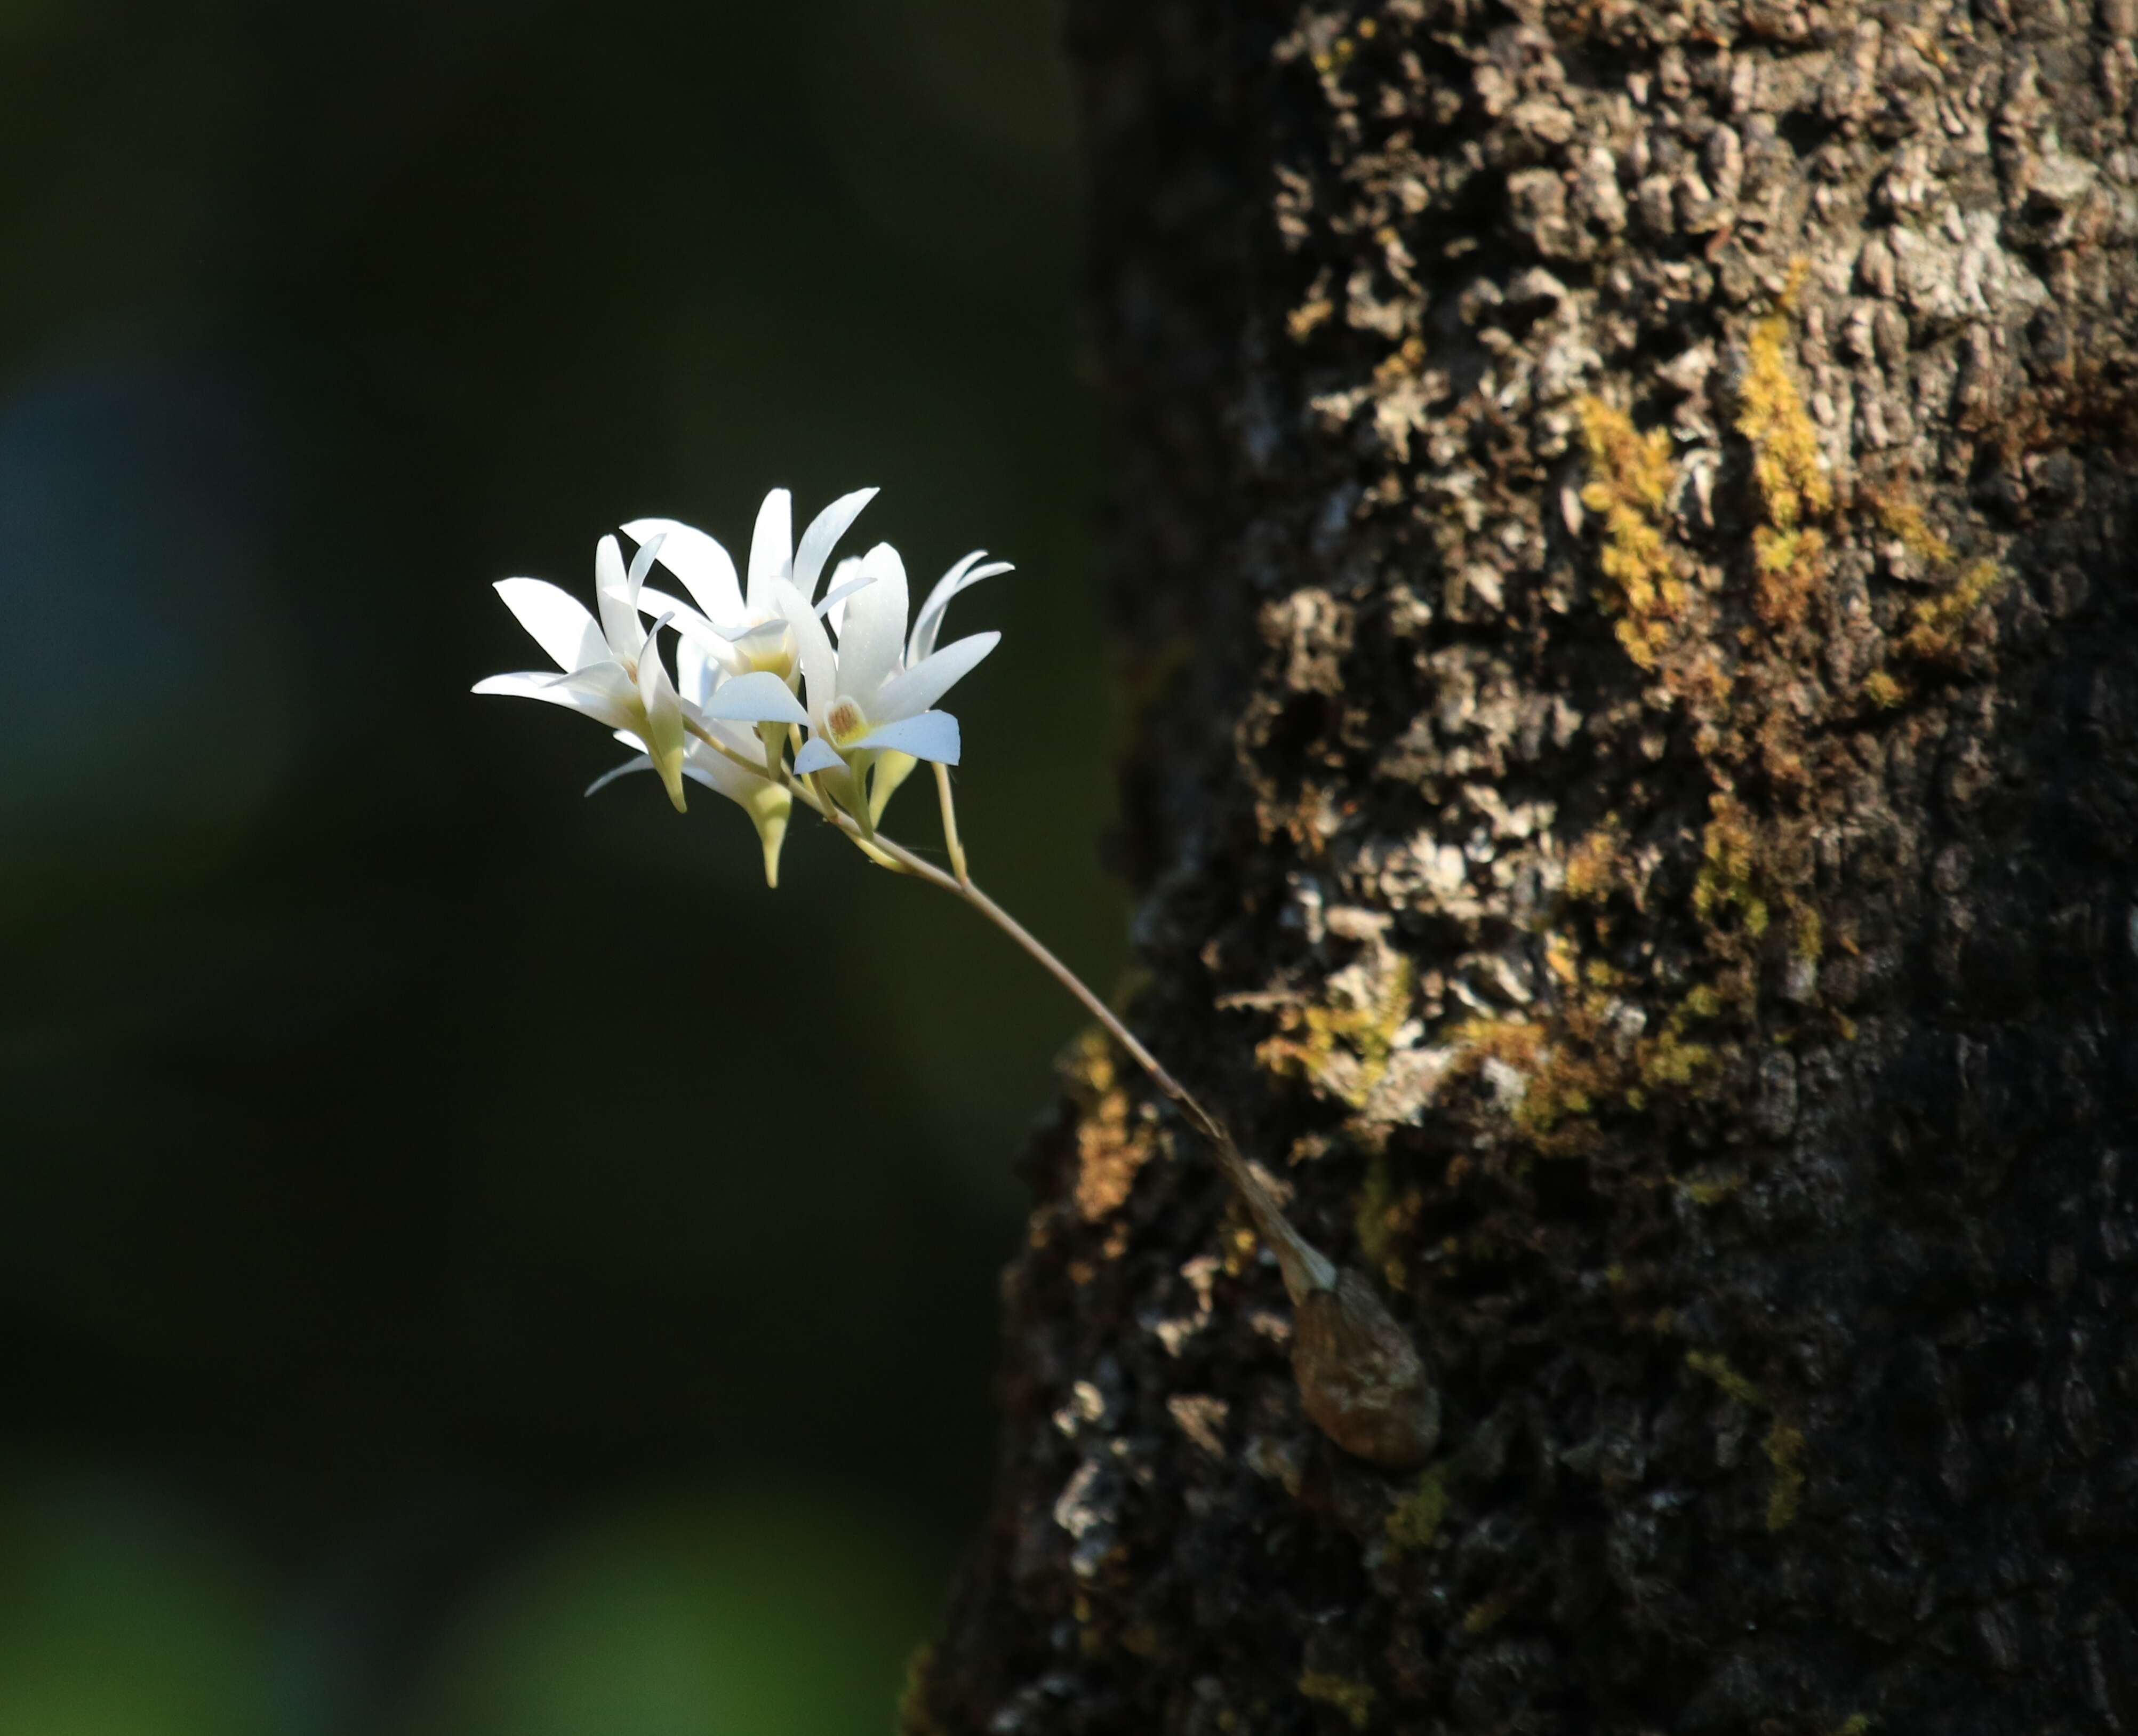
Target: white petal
696	674
817	755
820	665
875	631
846	578
687	621
641	564
824	531
771	547
771	629
939	594
640	763
759	697
920	686
717	772
580	692
959	579
715	635
557	621
717	775
656	691
706	571
678	613
932	735
664	718
526	684
619	611
691	628
742	737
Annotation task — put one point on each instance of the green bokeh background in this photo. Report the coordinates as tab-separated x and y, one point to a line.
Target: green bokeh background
472	1262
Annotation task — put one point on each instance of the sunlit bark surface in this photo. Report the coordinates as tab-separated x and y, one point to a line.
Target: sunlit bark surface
1623	535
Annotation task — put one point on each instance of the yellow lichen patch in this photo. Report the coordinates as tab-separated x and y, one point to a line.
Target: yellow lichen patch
1344	1050
1730	874
1571	1072
1904	519
1383	1219
1303	321
1753	700
1785	1452
1415	1521
1630	480
1111	1144
1562	960
1718	1368
1934	627
1567	1090
1518	1042
1857	1723
1935	624
1335	57
1789	552
1790	565
1784	1445
1749	872
1752	871
1786	466
1555	1086
1713	1190
1487	1613
1353	1699
1403	364
1882	691
1671	1063
1598	863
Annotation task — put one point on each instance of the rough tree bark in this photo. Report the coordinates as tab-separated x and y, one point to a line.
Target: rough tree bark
1623	519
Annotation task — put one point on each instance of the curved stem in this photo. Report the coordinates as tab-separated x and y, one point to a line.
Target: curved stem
1306	1268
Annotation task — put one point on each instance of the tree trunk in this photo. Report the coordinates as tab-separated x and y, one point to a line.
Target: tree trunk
1622	530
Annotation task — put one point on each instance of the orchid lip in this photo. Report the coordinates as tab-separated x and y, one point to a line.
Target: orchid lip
844	722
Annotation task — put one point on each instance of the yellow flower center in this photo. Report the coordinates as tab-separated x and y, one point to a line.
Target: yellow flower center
845	722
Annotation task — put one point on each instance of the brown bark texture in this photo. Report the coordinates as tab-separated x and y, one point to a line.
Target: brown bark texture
1623	541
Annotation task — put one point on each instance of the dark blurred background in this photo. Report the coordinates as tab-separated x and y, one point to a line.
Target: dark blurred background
471	1259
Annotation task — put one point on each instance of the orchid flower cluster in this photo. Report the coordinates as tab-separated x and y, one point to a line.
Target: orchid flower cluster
773	685
780	694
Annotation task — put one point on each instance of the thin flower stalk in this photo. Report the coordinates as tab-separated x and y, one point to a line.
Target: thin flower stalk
1305	1268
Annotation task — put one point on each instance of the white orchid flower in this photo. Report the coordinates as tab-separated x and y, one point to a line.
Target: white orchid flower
963	573
746	632
863	702
894	767
612	670
768	801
